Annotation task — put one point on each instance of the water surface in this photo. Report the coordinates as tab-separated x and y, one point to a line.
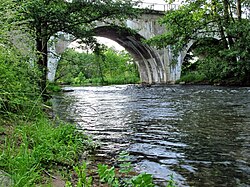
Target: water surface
199	134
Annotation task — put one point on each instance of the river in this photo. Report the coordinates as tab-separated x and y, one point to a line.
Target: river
198	134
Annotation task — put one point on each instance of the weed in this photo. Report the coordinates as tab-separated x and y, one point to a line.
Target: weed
125	164
107	175
171	182
116	178
83	180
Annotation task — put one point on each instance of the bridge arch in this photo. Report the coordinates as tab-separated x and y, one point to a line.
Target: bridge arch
148	60
208	41
155	65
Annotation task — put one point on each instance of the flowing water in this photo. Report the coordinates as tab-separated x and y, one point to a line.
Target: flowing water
198	134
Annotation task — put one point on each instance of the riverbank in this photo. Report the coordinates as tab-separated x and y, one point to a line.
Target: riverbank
196	78
41	151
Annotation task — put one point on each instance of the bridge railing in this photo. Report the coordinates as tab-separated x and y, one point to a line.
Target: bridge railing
157	6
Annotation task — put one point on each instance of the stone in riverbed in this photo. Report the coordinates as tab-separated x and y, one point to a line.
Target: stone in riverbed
5	179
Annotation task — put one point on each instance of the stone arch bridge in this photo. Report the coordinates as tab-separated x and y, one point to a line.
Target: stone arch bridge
155	66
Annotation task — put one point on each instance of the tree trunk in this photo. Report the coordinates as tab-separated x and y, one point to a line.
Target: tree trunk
226	7
220	23
222	34
239	11
99	61
41	45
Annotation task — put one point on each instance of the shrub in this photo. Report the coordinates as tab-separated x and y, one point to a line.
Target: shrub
18	83
192	77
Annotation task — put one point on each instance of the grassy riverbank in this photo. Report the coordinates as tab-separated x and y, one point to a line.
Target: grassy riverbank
34	151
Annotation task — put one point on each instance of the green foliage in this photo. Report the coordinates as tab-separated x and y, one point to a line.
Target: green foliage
192	77
119	68
53	87
214	69
19	92
125	164
72	64
64	141
80	79
83	180
181	25
171	182
108	175
19	163
76	17
202	21
120	177
142	180
85	68
36	145
40	146
18	78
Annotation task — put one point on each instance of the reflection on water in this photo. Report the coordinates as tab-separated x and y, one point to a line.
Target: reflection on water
199	134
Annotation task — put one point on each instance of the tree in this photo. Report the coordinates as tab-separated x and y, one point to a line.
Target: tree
45	18
225	20
18	75
104	66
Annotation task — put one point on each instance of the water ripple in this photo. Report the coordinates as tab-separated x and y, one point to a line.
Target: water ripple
199	134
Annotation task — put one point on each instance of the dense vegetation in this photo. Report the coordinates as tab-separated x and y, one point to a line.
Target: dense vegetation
110	67
31	144
220	31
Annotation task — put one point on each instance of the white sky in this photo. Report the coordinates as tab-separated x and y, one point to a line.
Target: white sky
109	43
154	1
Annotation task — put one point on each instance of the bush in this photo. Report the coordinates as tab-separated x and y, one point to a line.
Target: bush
18	83
53	87
192	77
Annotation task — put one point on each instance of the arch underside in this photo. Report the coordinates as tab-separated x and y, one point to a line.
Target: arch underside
151	68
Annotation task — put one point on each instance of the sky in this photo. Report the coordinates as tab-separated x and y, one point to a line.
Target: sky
155	1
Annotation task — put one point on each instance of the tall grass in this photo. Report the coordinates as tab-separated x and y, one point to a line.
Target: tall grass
40	146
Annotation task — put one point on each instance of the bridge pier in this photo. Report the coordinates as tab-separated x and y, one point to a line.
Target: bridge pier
56	48
52	67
